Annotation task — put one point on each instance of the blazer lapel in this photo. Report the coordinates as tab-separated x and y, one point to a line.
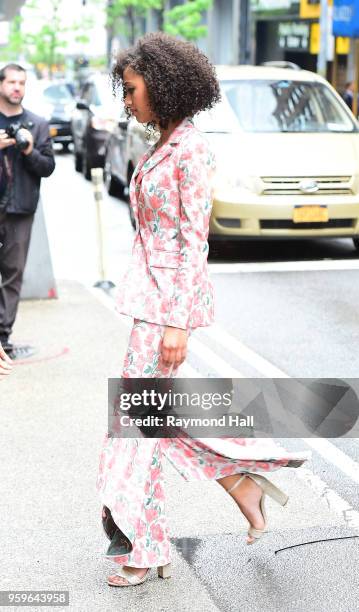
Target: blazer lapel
155	158
152	157
142	161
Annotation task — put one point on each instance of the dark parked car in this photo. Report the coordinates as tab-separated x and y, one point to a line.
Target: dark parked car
125	146
55	101
93	120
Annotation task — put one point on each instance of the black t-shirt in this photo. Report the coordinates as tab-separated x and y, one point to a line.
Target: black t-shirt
7	159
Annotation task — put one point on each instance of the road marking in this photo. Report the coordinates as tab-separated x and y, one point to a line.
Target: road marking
219	335
337	457
335	502
284	266
187	371
323	447
216	362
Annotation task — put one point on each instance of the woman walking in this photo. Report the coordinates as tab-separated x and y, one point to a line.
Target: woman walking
167	291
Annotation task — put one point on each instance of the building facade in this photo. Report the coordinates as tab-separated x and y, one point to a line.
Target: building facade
9	8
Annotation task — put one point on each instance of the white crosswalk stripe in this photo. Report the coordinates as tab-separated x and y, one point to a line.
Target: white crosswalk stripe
284	266
323	447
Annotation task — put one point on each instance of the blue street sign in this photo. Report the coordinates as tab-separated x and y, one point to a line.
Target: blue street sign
346	18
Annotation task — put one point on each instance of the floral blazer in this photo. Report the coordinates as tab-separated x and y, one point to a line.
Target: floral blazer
170	192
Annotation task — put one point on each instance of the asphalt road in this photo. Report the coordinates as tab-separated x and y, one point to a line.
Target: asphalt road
286	308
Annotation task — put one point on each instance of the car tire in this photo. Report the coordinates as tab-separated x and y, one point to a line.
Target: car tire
78	162
86	167
356	243
113	186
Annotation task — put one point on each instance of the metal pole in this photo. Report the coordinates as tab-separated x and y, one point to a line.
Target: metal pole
110	35
236	40
323	51
97	182
244	31
356	77
335	65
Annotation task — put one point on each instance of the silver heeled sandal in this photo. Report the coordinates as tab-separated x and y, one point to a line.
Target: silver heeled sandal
163	571
268	488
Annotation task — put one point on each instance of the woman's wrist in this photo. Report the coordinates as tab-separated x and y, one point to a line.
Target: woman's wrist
174	346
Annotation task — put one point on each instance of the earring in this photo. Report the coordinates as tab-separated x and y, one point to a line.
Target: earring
152	133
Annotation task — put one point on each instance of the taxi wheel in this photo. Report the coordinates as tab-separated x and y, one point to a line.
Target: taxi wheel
114	187
356	243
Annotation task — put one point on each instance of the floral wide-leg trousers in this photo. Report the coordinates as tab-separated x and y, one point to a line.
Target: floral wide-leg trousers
130	478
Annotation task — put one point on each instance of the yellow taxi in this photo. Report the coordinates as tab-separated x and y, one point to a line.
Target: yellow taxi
287	150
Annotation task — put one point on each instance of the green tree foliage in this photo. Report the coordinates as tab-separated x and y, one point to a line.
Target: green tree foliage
16	46
123	15
46	46
46	43
185	19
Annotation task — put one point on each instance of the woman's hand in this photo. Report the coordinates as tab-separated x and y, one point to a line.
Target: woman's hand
5	363
174	346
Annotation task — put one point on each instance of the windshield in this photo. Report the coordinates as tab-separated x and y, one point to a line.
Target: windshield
103	93
276	106
57	93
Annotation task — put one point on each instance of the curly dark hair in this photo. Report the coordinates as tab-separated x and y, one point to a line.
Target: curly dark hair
180	79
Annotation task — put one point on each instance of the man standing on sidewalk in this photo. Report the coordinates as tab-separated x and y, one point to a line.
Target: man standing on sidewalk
26	156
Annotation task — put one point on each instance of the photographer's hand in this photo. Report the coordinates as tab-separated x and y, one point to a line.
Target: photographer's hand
30	138
5	141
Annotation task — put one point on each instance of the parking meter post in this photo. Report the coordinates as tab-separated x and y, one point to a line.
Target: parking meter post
97	182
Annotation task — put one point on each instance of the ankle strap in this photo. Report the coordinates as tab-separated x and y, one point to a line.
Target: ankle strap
236	484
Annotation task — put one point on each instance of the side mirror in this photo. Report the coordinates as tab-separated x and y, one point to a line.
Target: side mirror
82	105
123	124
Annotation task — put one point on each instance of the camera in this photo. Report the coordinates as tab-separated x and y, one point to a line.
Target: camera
15	130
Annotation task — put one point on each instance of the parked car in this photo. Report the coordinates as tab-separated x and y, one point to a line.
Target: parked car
55	101
126	144
287	150
93	119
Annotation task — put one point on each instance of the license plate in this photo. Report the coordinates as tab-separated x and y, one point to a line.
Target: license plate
53	131
307	214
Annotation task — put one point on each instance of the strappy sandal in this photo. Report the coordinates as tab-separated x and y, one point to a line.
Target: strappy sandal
268	488
164	571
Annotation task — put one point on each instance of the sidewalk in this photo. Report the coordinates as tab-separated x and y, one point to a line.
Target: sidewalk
54	415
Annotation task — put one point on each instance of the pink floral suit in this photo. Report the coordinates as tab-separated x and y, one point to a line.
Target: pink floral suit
168	284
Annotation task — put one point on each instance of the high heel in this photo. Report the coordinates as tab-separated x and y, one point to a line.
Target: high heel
268	488
164	571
